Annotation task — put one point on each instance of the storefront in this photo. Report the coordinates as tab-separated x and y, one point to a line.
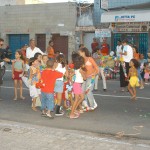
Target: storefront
131	25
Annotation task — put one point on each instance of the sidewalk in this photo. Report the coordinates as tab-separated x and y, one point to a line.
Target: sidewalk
19	136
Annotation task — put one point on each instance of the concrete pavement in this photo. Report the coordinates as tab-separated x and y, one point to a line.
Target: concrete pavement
19	136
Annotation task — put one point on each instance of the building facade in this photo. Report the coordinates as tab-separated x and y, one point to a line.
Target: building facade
122	3
129	20
41	22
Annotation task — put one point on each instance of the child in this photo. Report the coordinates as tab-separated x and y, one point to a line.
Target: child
17	73
34	79
60	66
43	62
48	79
78	62
147	73
133	76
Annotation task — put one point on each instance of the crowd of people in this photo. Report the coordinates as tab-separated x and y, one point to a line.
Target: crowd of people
134	69
54	82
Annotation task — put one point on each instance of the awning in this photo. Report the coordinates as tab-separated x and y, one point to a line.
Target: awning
126	16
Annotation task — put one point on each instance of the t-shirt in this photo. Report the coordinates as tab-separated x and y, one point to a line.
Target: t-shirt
96	58
50	52
60	69
78	76
94	45
30	53
105	49
118	50
129	55
49	78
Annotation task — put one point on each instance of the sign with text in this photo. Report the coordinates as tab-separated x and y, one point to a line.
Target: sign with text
125	18
130	27
102	33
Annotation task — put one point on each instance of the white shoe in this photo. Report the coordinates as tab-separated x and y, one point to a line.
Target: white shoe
95	105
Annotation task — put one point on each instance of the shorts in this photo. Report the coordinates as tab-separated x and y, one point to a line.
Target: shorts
59	85
47	100
17	75
34	92
77	88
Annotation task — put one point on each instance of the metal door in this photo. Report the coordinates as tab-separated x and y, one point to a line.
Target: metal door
143	44
16	41
41	41
60	44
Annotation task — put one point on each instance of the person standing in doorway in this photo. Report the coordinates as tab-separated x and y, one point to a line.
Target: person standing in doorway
105	47
32	49
119	49
94	45
50	50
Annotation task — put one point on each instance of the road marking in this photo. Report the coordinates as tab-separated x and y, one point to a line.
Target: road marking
119	96
102	95
6	87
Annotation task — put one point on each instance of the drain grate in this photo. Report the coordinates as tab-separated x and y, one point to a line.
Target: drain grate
6	129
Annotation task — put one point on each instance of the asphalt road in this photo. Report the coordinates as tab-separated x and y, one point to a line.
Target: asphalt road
116	113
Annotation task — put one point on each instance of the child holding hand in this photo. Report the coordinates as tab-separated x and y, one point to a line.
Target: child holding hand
133	78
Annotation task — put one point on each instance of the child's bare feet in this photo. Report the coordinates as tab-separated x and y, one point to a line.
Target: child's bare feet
15	98
33	108
22	98
74	116
133	97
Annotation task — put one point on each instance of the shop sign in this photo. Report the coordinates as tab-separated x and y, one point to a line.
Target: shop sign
130	27
125	18
102	33
83	28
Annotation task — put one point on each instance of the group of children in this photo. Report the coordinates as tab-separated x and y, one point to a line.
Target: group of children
51	81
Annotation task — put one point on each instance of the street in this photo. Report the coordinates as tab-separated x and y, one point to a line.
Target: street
116	116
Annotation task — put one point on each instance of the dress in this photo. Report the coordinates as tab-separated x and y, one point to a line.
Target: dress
146	75
134	81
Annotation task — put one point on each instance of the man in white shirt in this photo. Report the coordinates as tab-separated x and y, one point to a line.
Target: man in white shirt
127	56
32	50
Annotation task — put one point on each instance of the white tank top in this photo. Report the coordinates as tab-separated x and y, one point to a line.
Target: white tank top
78	76
60	69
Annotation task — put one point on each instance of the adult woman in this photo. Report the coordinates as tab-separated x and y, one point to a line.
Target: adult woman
50	50
124	67
91	71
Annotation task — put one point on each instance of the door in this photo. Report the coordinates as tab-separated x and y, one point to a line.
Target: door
16	41
143	44
60	44
41	41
